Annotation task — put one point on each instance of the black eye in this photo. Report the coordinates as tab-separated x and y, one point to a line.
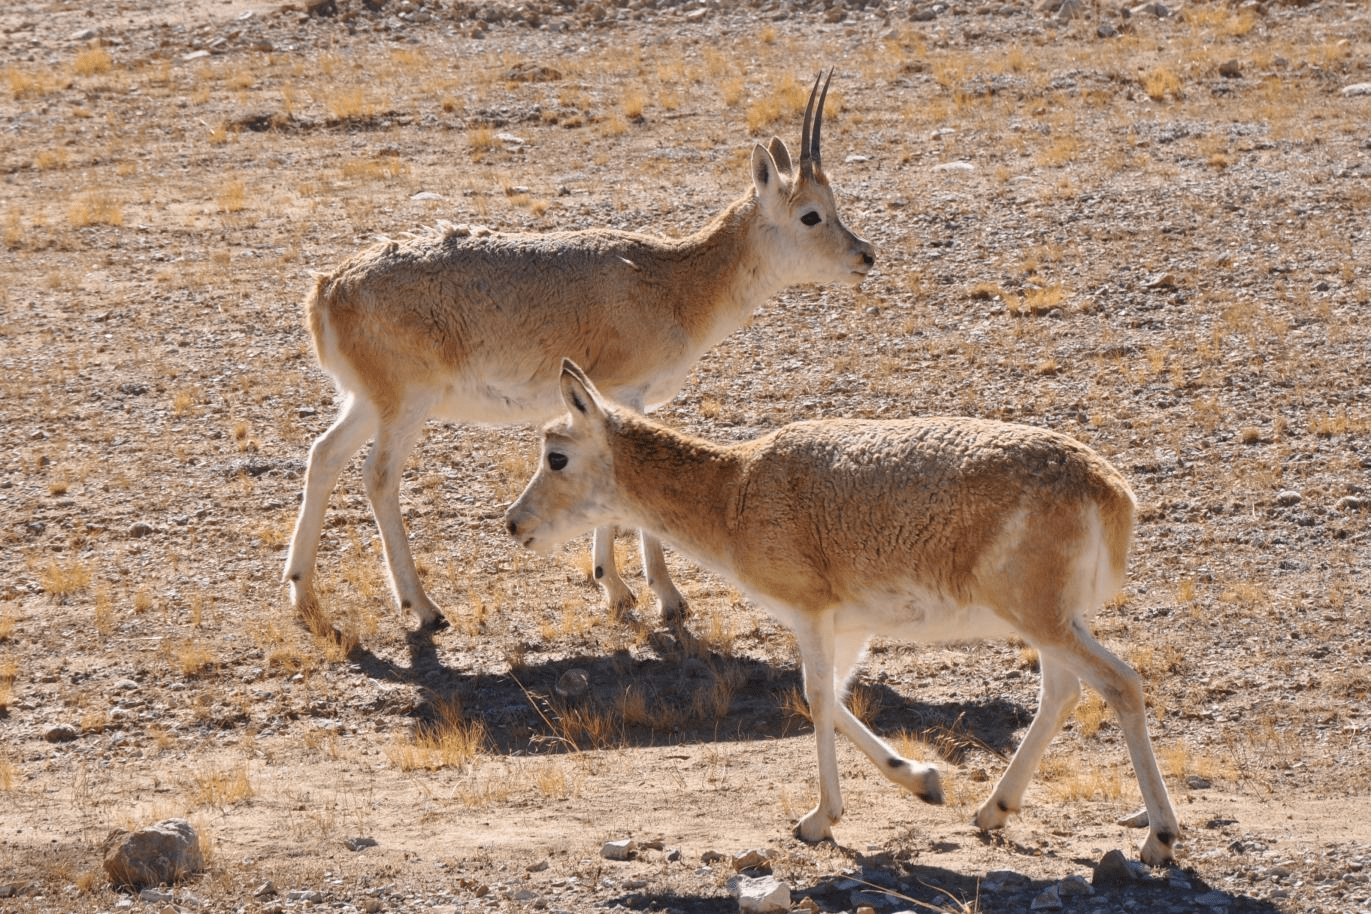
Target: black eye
811	218
556	461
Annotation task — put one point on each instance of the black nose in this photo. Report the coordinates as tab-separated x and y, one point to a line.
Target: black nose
513	528
868	259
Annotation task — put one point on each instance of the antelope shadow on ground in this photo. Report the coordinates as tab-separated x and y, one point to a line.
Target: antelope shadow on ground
675	691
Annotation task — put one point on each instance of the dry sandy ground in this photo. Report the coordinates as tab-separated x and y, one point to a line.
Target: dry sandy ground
1102	234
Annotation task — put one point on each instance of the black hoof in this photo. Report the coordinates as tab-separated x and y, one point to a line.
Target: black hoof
438	623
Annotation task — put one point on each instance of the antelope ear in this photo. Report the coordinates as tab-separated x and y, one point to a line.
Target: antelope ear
767	174
578	393
779	154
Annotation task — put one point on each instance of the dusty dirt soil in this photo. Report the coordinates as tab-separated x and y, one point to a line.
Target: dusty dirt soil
1146	231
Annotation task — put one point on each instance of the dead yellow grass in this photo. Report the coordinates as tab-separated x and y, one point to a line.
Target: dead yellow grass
449	741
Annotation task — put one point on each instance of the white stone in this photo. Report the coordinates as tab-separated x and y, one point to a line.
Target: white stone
761	894
619	850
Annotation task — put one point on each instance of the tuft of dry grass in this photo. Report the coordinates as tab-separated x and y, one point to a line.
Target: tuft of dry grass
449	741
1161	83
91	61
220	787
98	207
62	579
779	105
9	674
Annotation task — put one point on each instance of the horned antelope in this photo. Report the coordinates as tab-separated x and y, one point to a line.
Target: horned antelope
929	529
473	325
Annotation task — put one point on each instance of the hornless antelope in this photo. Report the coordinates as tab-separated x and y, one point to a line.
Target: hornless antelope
929	529
473	325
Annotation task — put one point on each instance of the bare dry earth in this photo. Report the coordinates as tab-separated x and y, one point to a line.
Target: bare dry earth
1164	261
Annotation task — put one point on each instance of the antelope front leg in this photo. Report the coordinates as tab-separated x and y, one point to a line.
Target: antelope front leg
354	425
816	659
617	593
922	780
381	473
673	605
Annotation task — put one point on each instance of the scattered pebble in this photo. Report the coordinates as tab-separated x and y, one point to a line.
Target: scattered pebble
61	733
760	894
623	849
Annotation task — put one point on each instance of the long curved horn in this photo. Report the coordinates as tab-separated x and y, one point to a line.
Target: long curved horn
813	126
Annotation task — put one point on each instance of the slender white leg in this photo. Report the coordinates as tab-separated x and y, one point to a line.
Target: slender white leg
356	423
1060	691
815	638
617	594
384	466
1121	688
920	779
659	580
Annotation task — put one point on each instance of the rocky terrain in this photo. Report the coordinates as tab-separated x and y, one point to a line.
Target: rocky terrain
1143	225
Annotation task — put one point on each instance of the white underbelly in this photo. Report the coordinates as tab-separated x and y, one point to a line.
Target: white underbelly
912	614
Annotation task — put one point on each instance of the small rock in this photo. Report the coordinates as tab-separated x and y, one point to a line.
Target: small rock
1350	503
156	896
61	733
1106	30
1195	782
961	168
754	859
1230	69
537	867
160	854
194	55
1159	10
1288	498
1113	869
619	850
1049	900
573	684
140	529
1074	885
265	890
84	35
1177	880
359	843
1160	281
426	195
1068	10
1139	819
762	894
1357	89
306	895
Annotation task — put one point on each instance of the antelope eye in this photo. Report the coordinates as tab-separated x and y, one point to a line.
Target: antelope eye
556	461
811	218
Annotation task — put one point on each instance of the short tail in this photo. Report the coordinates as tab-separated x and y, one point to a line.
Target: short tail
314	313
